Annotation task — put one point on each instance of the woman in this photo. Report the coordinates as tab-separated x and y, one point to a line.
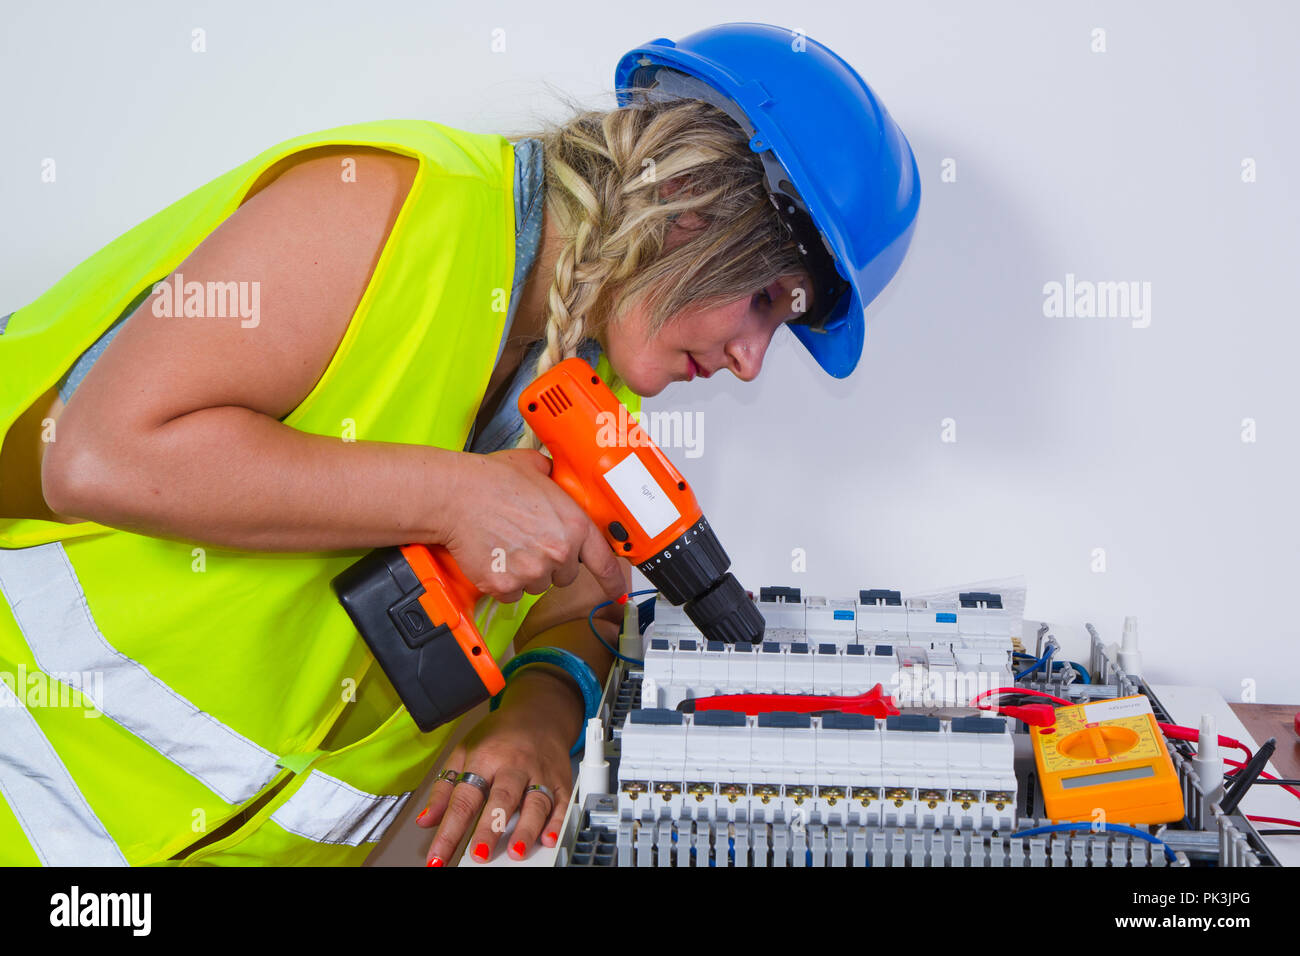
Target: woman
318	354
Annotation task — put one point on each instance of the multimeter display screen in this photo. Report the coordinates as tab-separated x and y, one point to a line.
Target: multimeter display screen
1111	776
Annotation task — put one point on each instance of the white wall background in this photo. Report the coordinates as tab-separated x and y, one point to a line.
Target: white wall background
1073	433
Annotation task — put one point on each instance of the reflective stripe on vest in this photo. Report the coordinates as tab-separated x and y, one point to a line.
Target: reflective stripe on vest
51	610
61	827
327	810
50	607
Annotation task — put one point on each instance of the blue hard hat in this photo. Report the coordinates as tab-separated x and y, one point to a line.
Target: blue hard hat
839	170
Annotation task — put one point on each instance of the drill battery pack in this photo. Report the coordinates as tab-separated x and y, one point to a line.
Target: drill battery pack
438	673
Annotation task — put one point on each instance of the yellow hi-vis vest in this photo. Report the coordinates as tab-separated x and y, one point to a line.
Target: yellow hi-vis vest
150	689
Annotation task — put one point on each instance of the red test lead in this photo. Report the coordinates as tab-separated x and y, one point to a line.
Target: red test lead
875	703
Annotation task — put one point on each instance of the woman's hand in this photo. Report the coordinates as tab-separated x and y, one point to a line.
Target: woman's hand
514	529
525	741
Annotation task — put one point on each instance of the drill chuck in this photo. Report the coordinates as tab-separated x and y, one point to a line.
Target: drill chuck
692	571
726	613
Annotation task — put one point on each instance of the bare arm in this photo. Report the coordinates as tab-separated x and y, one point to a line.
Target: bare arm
174	432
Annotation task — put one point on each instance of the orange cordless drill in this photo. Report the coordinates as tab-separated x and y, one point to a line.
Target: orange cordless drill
415	609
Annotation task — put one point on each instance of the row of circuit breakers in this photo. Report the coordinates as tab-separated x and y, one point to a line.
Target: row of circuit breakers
854	768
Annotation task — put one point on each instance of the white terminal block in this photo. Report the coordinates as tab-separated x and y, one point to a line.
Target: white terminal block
944	682
766	768
863	671
966	763
930	771
879	620
650	696
799	668
937	622
835	766
996	773
685	668
724	766
707	762
979	626
979	670
770	673
827	620
828	670
734	767
739	667
656	754
897	771
785	615
714	765
713	665
866	758
914	621
799	769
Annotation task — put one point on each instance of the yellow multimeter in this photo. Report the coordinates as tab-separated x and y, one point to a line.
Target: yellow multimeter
1110	756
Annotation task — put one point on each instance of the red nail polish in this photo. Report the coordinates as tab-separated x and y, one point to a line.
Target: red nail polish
436	861
481	851
553	837
422	813
519	848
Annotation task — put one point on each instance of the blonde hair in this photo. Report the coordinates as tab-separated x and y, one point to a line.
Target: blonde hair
604	176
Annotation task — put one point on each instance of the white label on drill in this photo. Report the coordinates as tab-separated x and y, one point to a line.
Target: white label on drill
1110	709
641	495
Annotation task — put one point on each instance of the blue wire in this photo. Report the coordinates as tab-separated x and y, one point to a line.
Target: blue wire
692	849
1083	671
591	623
1038	663
731	850
1119	827
1035	665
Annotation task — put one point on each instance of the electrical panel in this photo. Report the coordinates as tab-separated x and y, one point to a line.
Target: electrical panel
939	782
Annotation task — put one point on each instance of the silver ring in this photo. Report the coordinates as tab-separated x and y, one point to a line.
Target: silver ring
475	780
544	791
449	775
